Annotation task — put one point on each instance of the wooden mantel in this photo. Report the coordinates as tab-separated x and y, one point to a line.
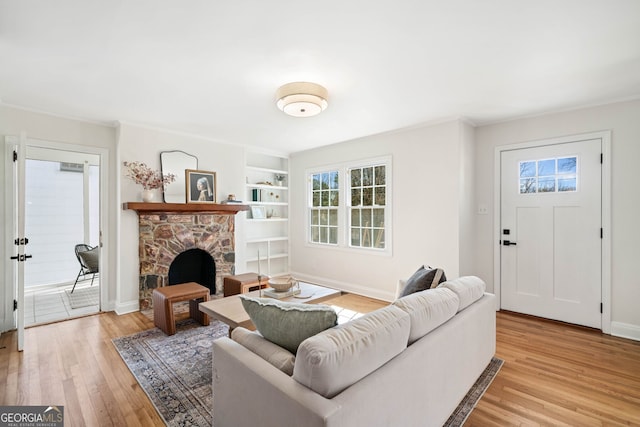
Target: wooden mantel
185	208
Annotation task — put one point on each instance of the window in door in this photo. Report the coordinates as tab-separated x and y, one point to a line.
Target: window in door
555	175
58	217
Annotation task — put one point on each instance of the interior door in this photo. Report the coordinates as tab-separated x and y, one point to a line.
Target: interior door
551	244
18	255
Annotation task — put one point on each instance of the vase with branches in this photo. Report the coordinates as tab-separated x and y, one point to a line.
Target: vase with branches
150	179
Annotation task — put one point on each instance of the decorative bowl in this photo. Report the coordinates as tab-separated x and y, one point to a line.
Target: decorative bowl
281	284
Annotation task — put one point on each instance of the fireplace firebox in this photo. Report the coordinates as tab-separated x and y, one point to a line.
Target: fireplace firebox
194	265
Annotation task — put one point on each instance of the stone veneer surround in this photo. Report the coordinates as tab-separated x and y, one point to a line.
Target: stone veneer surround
165	236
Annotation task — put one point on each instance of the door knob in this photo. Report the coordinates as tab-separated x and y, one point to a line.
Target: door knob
508	243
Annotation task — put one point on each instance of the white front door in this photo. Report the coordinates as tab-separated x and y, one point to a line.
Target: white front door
550	232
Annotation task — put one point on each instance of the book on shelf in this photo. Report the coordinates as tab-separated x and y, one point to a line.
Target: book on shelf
232	202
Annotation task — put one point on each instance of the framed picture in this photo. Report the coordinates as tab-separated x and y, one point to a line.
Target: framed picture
201	186
258	212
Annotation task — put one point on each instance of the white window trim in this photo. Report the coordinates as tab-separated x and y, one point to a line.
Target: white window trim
343	207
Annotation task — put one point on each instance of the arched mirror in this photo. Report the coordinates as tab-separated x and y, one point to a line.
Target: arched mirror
176	162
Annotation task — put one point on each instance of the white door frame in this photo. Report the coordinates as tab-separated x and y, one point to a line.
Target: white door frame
605	136
103	153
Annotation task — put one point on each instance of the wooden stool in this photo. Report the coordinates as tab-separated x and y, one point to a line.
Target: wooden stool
242	283
164	297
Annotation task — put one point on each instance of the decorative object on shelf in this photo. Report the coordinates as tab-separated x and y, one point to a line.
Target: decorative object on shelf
258	212
279	179
201	186
148	196
302	99
150	179
176	162
231	199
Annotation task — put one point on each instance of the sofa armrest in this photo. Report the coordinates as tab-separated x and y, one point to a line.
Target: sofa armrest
248	391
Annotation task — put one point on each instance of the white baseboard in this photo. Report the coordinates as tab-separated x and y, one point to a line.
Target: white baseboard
346	287
127	307
109	306
625	330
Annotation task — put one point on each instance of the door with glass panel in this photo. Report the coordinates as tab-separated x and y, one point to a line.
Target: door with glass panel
62	211
550	233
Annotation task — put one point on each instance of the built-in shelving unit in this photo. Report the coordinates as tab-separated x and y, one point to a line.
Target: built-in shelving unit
267	223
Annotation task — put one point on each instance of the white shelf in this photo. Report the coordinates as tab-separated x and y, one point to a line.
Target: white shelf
268	239
272	256
267	170
268	203
267	187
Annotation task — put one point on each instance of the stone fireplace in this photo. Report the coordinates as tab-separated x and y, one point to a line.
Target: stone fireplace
184	235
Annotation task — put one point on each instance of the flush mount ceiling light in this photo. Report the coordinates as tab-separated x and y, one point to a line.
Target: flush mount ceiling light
301	99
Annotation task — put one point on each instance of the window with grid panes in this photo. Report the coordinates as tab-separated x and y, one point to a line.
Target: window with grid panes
323	210
549	175
368	194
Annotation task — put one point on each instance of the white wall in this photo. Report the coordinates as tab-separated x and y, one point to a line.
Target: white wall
67	131
467	201
426	183
143	144
623	119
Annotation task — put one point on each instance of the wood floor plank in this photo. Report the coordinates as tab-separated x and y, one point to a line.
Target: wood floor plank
554	374
560	374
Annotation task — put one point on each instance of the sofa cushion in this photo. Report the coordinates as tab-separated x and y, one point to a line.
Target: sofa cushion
287	324
424	278
274	354
333	360
468	288
428	310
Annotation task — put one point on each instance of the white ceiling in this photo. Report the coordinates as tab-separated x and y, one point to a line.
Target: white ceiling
211	68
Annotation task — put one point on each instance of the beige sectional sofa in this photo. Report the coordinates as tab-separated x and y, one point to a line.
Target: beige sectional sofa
408	364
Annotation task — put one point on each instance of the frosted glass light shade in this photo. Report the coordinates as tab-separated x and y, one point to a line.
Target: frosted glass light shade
302	99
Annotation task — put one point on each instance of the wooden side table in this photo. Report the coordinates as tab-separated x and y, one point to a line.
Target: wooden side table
166	296
243	283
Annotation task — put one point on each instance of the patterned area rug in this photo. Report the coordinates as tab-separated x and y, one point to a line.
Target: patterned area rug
175	372
473	396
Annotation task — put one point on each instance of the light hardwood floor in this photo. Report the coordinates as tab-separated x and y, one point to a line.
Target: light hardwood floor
554	374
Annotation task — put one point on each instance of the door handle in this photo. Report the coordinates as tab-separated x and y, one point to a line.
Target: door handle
508	243
21	258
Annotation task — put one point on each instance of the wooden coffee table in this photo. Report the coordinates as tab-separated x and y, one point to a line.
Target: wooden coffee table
230	311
